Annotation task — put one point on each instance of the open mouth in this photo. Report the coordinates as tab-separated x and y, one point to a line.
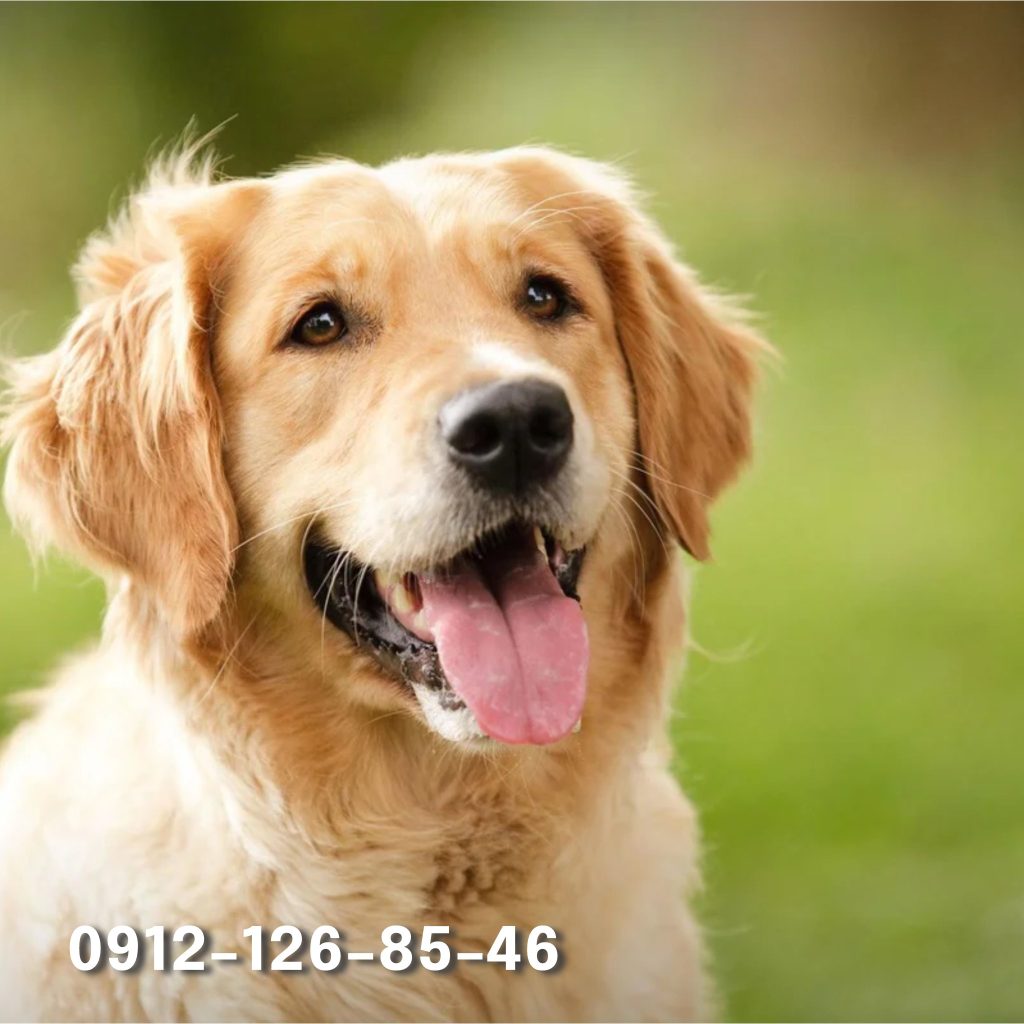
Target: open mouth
492	643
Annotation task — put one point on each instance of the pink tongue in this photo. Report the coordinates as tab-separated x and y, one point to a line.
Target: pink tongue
515	651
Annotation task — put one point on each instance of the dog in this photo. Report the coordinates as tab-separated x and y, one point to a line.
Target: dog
387	471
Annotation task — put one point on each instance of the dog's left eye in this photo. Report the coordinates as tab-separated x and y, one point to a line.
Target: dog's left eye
322	325
546	298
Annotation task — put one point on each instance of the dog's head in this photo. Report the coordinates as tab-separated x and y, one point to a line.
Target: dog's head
410	415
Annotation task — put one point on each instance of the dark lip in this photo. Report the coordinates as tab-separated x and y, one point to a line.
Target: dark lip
345	592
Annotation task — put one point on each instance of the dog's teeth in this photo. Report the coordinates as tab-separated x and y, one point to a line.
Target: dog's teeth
579	724
538	539
385	581
400	599
394	591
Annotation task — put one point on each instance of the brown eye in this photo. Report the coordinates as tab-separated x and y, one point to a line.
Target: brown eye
322	325
545	298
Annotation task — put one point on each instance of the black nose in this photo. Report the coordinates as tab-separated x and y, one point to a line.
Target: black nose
509	435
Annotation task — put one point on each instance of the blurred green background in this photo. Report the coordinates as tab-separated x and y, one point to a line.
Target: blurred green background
852	723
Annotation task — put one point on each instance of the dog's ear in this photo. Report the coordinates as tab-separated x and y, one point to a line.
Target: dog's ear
116	435
692	358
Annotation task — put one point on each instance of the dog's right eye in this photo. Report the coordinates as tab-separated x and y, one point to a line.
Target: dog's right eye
319	326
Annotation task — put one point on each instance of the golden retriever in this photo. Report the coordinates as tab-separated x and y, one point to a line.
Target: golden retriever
385	470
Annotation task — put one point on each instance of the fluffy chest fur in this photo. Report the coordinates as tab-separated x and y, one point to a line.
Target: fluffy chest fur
224	847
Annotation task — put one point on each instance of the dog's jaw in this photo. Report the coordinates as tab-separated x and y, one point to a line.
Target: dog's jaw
455	650
451	721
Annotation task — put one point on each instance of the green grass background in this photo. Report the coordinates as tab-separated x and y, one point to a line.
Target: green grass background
851	725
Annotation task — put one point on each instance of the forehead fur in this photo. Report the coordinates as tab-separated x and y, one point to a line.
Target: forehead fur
439	197
404	223
442	190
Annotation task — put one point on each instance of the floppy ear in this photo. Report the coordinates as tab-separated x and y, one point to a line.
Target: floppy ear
691	357
693	364
115	435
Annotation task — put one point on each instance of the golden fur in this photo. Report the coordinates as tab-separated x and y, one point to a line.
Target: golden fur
223	756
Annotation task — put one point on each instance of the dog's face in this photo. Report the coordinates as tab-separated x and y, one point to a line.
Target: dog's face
420	373
413	414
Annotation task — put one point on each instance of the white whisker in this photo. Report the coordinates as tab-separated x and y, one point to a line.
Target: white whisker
292	519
